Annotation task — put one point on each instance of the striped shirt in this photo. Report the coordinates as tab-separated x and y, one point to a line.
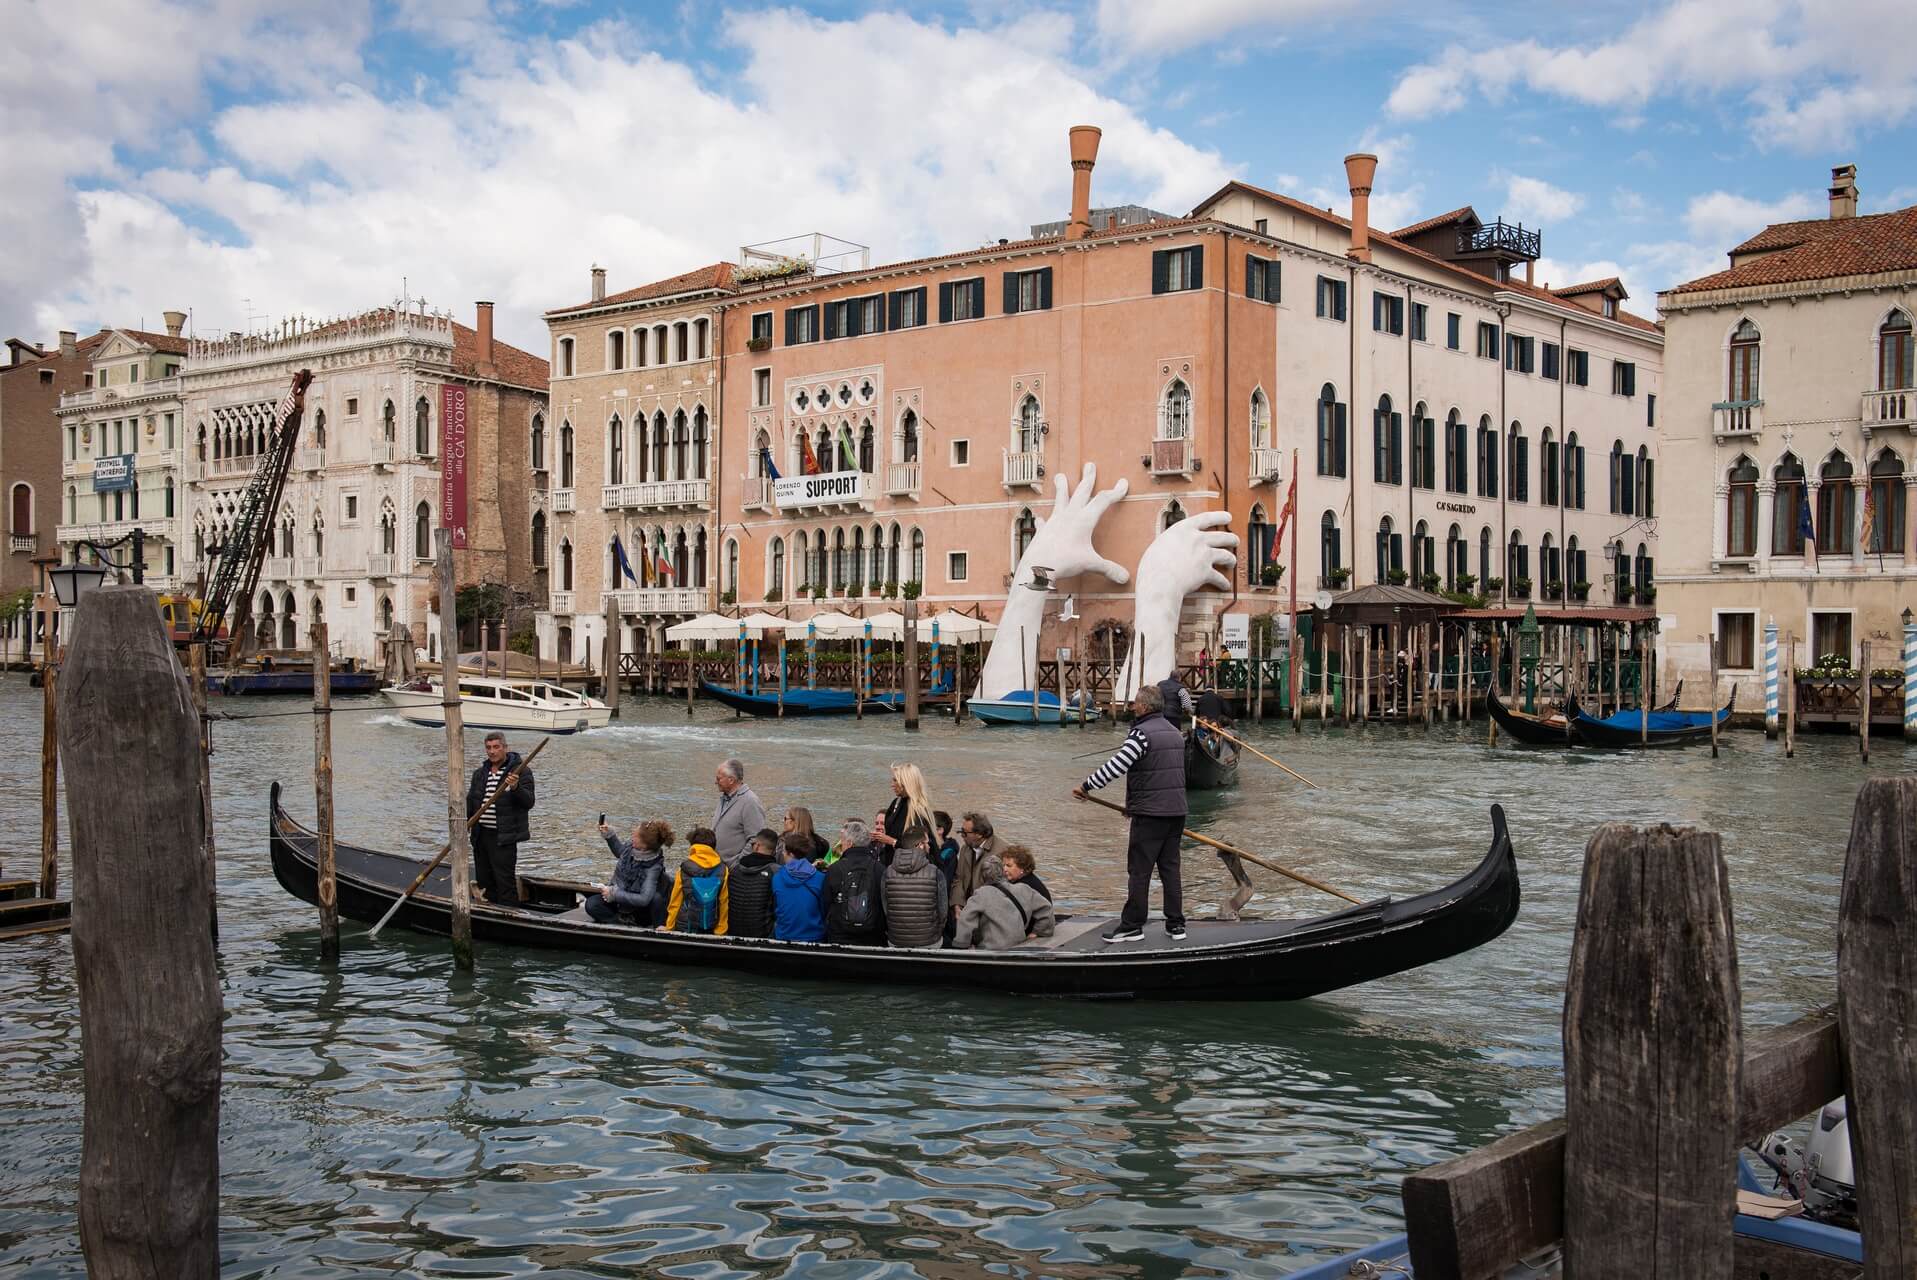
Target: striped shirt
489	816
1129	753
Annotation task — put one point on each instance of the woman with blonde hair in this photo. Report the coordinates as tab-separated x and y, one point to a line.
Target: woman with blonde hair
908	819
799	835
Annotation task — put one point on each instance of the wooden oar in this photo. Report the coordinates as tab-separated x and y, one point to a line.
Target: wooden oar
506	784
1222	847
1232	737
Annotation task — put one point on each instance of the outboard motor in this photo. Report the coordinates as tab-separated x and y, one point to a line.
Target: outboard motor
1818	1172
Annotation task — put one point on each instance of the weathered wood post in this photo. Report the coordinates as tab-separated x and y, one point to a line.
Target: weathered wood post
462	854
1790	700
150	1009
1876	972
1491	721
323	797
1712	705
612	652
1424	681
1653	1043
49	775
196	658
1863	701
912	665
1294	683
1644	689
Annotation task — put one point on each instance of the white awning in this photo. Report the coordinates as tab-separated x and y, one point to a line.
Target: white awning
707	626
955	627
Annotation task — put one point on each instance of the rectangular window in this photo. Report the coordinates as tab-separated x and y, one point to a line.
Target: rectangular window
761	388
961	453
801	325
1650	409
1623	378
1577	367
1178	270
1830	633
1520	469
1387	313
762	326
1333	438
1737	642
1487	340
1520	354
1420	318
908	308
352	507
1028	291
1262	279
955	566
871	313
352	595
1548	366
1331	298
1453	324
961	300
352	402
836	319
1261	226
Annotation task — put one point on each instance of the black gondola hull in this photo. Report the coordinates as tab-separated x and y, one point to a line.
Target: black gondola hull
1523	727
1593	732
1243	960
1209	767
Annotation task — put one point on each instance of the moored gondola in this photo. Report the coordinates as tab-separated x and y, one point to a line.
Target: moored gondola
800	702
1661	728
1238	960
1522	726
1210	762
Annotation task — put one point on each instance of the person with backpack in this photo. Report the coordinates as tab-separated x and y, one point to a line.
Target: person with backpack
914	894
699	897
798	891
634	895
1007	910
854	894
749	888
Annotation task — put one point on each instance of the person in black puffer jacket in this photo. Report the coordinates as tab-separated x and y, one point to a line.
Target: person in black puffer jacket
914	891
750	913
636	893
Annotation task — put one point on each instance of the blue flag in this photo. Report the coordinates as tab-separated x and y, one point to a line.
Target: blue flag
765	462
625	565
1805	530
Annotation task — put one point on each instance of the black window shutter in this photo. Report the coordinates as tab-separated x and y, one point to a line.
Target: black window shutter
892	311
1045	289
1274	281
1251	283
1011	293
1197	266
791	325
1343	433
945	303
1160	272
978	296
1397	455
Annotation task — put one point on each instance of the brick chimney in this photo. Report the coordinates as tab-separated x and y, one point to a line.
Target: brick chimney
175	322
69	342
1360	169
1843	191
484	328
598	284
1084	155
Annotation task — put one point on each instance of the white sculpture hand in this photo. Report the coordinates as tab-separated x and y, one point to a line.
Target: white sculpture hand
1063	542
1191	554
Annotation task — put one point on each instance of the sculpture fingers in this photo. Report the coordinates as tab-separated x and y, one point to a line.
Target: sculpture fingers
1116	572
1063	491
1222	558
1103	502
1087	483
1219	580
1208	520
1221	539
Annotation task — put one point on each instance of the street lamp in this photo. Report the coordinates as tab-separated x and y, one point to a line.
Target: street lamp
74	582
1907	615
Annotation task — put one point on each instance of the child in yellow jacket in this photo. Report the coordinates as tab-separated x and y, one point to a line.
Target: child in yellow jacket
701	889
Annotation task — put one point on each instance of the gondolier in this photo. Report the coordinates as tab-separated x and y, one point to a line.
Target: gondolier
497	834
1152	762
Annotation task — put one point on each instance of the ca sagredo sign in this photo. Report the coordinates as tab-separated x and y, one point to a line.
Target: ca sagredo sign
819	490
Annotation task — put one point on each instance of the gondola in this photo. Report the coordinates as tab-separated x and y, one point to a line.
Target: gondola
801	702
1629	728
1544	730
1210	762
1239	960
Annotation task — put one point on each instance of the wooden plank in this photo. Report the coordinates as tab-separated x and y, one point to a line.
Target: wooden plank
150	1010
34	928
323	794
1876	975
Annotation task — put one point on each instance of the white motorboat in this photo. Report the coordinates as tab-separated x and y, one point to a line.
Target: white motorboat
489	702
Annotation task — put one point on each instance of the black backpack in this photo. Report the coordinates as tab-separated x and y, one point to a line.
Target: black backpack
856	906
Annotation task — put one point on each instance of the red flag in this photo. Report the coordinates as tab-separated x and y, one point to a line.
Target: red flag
808	461
1284	519
664	567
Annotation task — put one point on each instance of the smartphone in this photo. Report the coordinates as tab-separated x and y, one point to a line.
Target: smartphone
602	819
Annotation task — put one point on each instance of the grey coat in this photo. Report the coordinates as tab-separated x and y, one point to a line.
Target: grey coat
992	922
738	818
914	900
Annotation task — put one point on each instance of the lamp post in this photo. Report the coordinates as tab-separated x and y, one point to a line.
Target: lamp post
1528	641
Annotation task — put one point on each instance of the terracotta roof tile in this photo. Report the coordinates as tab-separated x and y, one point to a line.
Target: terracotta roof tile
1419	228
717	275
520	368
1819	249
1591	286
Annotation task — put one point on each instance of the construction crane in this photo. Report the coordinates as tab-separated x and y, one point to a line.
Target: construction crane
237	572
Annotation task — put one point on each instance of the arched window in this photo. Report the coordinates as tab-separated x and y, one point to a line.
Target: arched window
1836	506
1386	456
1549	470
1646	490
700	442
422	532
319	428
662	352
1457	558
1894	364
1745	344
616	349
1486	570
615	451
1329	552
565	565
20	508
1260	420
801	552
386	614
681	349
539	539
1028	419
838	560
1573	472
892	555
1643	572
909	437
1023	531
200	443
1886	505
681	442
1424	551
1331	432
1517	564
640	357
1580	582
565	357
1617	475
389	423
1517	467
319	534
1740	531
1548	569
423	428
857	571
731	580
659	443
1172	514
701	342
1174	412
698	566
565	455
1258	544
539	442
286	535
1424	448
1787	507
1457	461
918	555
865	446
775	569
614	578
1390	550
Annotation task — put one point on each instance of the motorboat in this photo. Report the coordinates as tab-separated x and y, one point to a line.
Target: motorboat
1026	706
492	702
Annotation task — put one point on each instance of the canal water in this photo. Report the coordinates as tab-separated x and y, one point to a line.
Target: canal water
579	1116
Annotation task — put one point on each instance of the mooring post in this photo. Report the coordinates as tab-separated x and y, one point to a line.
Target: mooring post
912	665
1491	721
1876	972
1771	700
49	775
612	652
323	796
150	1011
1712	705
1653	1042
462	854
1863	701
1644	690
1790	695
196	657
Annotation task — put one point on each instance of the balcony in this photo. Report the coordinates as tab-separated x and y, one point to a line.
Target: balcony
1024	469
232	466
107	530
562	602
561	501
1172	457
1731	419
308	568
656	493
157	460
758	493
902	479
278	568
654	600
1502	238
1267	465
27	542
1883	409
382	453
310	459
381	566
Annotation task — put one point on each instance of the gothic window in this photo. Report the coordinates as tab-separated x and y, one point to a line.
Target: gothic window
1174	413
565	565
1740	533
1746	343
538	540
615	451
1894	363
1028	419
565	455
539	442
865	445
681	439
1836	506
422	532
423	428
909	437
1328	549
660	442
1387	460
388	419
1023	531
699	441
1887	504
1260	419
1787	502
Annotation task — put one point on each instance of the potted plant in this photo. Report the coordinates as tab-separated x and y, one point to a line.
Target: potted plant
891	589
1338	577
1554	590
1493	585
1580	590
1466	581
1430	581
1270	574
1646	594
1396	577
1520	586
728	597
910	590
774	596
758	344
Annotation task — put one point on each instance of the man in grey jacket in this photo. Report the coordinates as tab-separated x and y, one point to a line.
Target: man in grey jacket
739	816
1005	911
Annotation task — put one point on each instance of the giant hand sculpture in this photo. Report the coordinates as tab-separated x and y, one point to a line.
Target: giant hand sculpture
1191	554
1063	547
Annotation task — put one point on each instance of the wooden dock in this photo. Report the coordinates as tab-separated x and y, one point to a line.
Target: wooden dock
24	913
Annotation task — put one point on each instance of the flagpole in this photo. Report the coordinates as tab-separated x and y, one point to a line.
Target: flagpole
1291	664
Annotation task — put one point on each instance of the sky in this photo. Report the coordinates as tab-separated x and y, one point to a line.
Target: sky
251	160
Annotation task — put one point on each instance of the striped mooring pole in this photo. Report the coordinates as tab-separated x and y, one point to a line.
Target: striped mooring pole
1770	677
1910	679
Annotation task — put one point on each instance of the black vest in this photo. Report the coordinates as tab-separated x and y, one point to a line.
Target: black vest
1172	690
749	899
1155	786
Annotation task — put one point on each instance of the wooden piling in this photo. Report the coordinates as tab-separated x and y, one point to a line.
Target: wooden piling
1423	680
196	680
1294	686
1711	706
1863	702
1652	1045
1876	972
1644	690
689	680
1324	676
462	853
611	648
150	1009
1491	721
323	795
912	666
1790	695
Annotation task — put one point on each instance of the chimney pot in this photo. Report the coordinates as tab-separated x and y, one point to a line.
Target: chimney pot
175	322
1360	169
1084	140
69	342
598	284
1843	191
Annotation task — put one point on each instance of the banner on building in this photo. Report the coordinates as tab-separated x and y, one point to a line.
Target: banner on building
1235	635
113	473
825	489
452	462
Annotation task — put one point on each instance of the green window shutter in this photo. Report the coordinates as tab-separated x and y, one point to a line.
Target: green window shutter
1011	292
1161	272
791	326
945	303
892	311
978	296
1045	289
1197	252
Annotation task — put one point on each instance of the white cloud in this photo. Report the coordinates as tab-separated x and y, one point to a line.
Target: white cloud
1147	28
1535	200
1797	62
513	179
1723	218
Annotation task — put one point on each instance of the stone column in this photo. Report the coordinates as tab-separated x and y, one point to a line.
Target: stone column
1766	519
1721	521
1860	494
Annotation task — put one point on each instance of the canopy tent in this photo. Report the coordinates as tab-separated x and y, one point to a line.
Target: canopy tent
757	624
955	626
708	626
889	625
828	625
